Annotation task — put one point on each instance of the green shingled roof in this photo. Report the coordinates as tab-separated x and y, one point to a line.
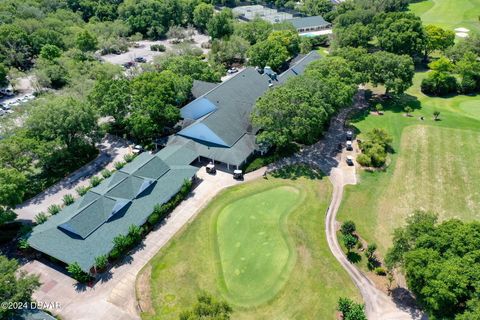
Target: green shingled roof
85	229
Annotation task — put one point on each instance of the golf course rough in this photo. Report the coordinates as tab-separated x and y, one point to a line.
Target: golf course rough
256	253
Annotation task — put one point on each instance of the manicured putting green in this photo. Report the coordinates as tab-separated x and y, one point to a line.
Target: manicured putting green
255	249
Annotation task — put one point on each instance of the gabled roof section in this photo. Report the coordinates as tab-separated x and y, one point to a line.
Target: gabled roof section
130	188
197	109
90	217
153	169
299	66
110	182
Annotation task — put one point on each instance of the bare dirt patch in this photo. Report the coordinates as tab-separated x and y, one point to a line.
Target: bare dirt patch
144	291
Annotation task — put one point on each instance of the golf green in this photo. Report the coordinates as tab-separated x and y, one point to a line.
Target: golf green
256	252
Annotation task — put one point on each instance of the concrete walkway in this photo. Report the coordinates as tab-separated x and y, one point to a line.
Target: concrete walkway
114	298
111	148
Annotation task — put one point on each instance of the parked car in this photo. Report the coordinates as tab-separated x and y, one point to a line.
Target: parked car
349	146
349	160
140	59
232	70
128	65
349	135
8	91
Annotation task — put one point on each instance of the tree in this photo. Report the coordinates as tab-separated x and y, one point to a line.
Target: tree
50	52
3	75
317	7
15	286
439	261
349	241
12	188
439	83
195	67
268	53
370	252
15	49
229	51
86	41
221	24
408	111
207	307
254	31
399	33
442	64
437	39
202	15
355	35
112	98
144	16
289	39
156	97
177	33
436	115
348	227
390	70
64	119
351	310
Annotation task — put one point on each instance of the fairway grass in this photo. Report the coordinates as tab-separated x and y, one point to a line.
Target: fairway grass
256	252
260	246
449	14
436	166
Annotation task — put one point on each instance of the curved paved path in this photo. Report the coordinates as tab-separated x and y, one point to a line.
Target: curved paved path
325	155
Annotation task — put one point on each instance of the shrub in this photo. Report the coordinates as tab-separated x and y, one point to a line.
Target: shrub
439	84
379	108
106	173
408	110
95	181
41	218
101	262
23	244
364	160
380	271
351	310
468	84
77	273
54	209
349	241
436	115
82	190
68	199
129	157
158	47
119	164
348	227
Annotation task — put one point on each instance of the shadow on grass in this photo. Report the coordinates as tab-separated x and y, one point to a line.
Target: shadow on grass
298	171
354	257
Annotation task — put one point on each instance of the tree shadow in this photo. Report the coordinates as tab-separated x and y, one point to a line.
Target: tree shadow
406	301
294	172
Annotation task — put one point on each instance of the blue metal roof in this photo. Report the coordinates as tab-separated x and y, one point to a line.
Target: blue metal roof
197	109
201	132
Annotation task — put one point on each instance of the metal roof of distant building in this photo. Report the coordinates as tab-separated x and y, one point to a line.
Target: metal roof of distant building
309	22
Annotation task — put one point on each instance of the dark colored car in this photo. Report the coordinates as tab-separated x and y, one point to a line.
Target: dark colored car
140	59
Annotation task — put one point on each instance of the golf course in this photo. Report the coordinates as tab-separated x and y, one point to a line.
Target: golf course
261	247
450	14
435	165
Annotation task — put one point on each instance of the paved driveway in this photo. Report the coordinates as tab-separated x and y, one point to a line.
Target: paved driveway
115	298
111	149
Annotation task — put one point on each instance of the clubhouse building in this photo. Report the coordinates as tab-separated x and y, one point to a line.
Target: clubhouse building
215	127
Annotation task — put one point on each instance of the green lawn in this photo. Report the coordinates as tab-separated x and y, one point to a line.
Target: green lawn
260	246
435	166
449	14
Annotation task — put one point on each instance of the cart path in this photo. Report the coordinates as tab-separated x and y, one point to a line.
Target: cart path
325	155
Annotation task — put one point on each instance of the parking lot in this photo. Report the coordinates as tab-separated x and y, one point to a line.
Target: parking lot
142	49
